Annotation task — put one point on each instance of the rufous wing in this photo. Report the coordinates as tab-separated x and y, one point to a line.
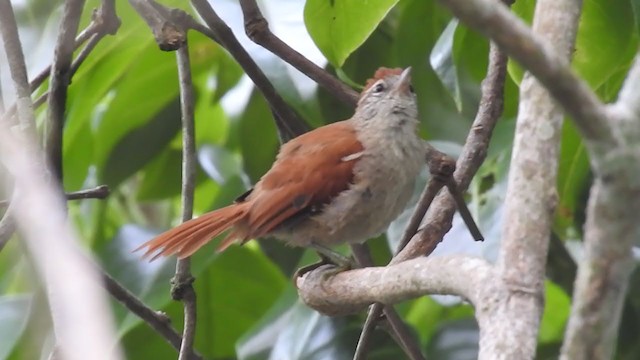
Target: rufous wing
309	171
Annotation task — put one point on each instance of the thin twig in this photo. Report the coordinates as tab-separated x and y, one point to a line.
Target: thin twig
156	320
103	21
98	192
257	29
183	281
60	79
400	330
288	122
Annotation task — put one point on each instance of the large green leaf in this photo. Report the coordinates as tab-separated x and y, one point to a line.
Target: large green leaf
338	27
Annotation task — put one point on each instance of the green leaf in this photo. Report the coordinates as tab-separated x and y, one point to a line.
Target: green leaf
556	313
604	41
338	27
234	292
138	146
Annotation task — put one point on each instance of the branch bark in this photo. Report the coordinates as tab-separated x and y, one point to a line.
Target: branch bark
531	194
494	20
353	290
610	232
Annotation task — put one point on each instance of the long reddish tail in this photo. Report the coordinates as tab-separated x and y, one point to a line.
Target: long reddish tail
191	235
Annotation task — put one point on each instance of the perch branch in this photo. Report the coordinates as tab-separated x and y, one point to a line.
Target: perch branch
350	291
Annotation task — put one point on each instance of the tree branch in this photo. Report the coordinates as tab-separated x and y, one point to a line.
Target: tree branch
494	20
103	21
257	29
610	232
156	320
182	288
60	79
98	192
350	291
80	312
531	193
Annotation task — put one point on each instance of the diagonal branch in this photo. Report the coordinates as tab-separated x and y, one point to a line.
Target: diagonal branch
494	20
257	29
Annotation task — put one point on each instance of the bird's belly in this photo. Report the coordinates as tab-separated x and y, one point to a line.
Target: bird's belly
363	211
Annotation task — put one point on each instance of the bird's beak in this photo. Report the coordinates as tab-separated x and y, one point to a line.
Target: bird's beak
403	86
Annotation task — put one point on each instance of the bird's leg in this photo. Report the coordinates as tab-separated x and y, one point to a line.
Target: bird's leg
327	257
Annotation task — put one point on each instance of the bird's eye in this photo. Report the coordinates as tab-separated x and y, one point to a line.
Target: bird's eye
411	89
378	88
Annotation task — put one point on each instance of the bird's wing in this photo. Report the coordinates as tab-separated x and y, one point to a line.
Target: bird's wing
310	171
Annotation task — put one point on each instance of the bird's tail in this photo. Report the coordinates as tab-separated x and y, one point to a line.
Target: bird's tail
188	237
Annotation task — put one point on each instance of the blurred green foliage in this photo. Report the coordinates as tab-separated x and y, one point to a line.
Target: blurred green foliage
123	129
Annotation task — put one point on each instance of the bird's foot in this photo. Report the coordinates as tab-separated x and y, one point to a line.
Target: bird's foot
339	262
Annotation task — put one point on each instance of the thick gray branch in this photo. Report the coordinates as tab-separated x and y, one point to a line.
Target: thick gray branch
611	229
351	291
531	195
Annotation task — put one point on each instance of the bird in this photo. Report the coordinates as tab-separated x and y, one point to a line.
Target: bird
344	182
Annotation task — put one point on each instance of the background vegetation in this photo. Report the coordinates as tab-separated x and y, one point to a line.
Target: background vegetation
123	130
